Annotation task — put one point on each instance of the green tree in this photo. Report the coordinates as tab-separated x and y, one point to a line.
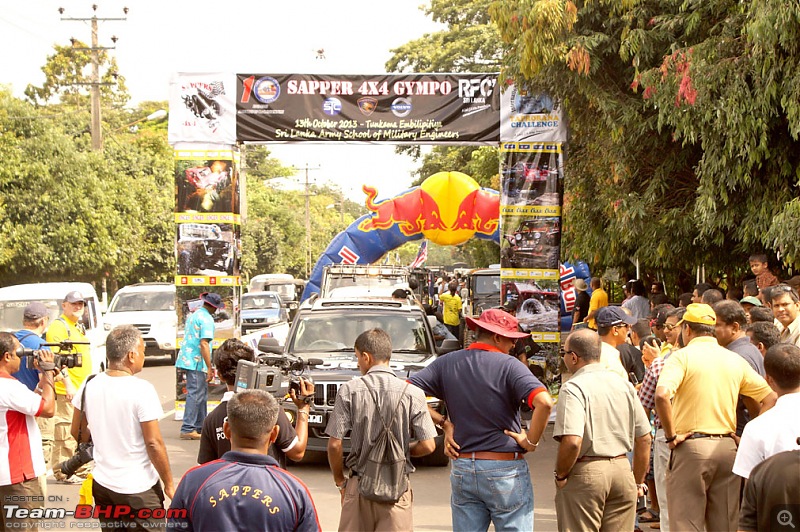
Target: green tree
469	43
683	120
69	213
67	73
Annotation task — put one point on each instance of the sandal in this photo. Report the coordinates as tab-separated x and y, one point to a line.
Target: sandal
648	517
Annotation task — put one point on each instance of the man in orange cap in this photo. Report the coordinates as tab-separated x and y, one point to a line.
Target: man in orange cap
483	387
696	403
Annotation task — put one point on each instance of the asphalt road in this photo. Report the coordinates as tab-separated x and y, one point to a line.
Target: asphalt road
431	485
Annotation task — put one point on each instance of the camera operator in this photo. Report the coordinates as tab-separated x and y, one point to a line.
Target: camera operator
34	323
69	326
291	442
123	412
22	462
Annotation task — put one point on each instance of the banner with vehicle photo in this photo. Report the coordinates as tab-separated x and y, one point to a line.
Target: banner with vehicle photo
207	244
384	108
532	185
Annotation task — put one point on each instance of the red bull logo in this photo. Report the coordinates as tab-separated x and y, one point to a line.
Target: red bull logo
448	208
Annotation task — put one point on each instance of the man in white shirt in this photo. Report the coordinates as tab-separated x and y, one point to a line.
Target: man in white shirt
786	307
129	452
776	430
613	325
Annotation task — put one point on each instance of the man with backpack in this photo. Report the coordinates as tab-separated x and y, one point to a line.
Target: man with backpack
384	413
69	326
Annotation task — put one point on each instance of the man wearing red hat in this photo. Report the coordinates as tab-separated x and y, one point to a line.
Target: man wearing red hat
195	359
483	387
696	402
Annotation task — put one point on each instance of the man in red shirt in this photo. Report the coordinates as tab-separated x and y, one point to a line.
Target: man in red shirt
21	455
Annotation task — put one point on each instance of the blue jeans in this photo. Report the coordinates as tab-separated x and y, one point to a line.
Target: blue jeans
195	410
499	491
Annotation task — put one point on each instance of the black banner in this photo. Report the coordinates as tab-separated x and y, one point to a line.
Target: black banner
398	109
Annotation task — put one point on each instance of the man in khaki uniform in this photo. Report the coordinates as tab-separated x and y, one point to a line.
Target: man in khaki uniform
696	402
598	420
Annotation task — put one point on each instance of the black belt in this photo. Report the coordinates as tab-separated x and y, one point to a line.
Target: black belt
583	459
698	435
353	473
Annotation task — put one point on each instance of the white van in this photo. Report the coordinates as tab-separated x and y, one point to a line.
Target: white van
14	299
150	307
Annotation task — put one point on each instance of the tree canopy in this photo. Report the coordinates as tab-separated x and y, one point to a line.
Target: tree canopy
684	121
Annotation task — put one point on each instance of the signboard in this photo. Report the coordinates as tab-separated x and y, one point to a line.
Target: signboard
400	109
202	108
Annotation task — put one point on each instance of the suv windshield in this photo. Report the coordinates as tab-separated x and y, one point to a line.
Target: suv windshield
265	301
286	291
143	302
325	335
487	284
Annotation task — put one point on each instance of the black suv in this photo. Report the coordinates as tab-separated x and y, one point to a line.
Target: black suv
326	329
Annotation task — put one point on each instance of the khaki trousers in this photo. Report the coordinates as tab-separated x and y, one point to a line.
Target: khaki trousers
28	495
598	495
47	427
702	491
360	514
64	445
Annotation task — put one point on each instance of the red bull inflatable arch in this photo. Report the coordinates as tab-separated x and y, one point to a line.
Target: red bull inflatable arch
448	208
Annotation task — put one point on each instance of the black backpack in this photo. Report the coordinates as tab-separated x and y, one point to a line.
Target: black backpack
384	478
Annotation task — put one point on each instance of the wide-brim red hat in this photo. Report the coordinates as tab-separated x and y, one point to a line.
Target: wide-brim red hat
499	322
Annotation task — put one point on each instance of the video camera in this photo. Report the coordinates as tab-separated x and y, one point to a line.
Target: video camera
274	372
67	354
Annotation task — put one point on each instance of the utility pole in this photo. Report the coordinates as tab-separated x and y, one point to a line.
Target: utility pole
96	126
308	219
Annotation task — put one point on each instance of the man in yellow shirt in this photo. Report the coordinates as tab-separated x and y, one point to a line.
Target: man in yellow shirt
68	326
704	380
598	301
451	303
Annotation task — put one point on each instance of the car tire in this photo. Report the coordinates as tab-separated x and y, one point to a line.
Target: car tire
173	356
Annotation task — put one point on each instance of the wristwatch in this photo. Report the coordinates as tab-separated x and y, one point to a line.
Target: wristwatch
560	479
442	422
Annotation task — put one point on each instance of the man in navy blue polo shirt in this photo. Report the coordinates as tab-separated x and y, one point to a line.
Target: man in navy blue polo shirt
483	388
245	489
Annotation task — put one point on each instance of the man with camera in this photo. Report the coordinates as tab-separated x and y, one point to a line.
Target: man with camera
34	323
123	412
194	359
22	461
69	327
245	489
290	442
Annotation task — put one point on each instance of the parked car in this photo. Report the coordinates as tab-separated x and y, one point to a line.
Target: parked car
150	307
262	309
326	329
289	288
14	299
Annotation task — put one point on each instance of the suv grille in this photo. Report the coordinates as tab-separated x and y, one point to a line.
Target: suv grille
325	393
144	328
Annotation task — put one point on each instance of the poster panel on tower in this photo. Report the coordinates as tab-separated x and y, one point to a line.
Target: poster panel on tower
384	108
202	108
532	181
526	117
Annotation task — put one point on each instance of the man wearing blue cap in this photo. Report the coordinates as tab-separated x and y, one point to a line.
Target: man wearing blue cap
613	326
195	359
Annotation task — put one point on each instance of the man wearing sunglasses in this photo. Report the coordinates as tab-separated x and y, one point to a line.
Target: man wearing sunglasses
598	421
786	308
696	403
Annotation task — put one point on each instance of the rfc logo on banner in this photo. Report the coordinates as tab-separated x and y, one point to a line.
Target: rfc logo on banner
267	89
332	106
476	90
401	107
